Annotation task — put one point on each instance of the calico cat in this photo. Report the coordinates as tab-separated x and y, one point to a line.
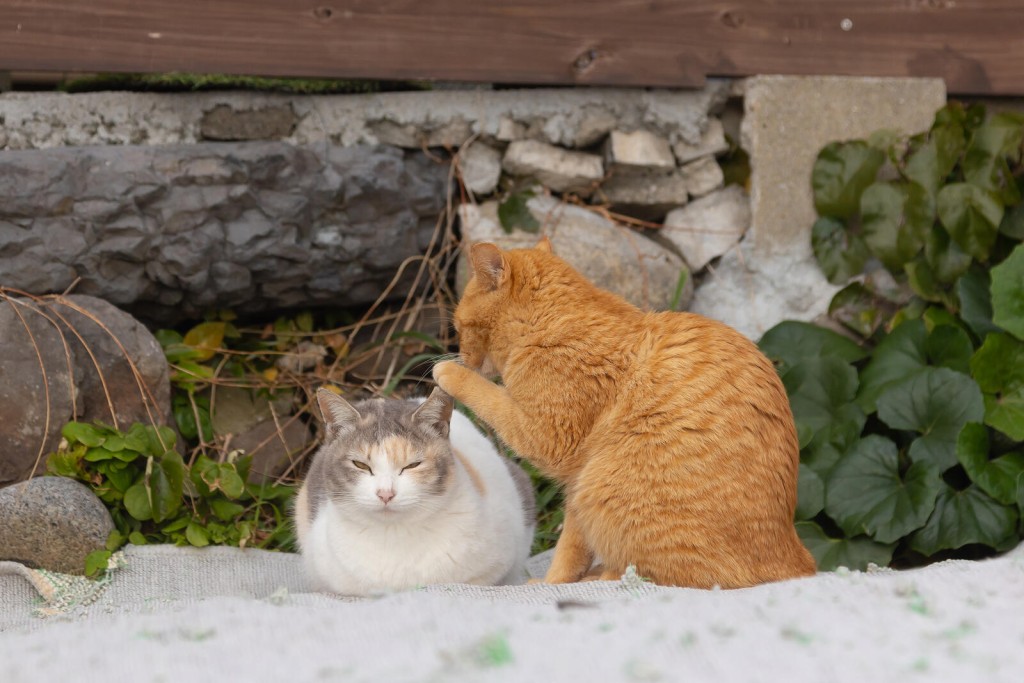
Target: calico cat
406	493
671	433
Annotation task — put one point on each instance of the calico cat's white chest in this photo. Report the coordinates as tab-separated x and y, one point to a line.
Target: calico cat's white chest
359	556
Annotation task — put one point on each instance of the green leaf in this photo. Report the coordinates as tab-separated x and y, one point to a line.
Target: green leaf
985	162
937	403
895	219
1008	293
949	346
898	356
1001	478
810	493
944	256
206	339
858	308
121	479
137	503
225	510
304	321
840	174
831	553
820	393
197	535
137	439
230	483
867	495
176	525
840	253
114	443
964	517
165	483
513	213
96	562
79	432
1012	224
971	215
790	342
923	281
972	289
932	162
998	367
115	539
136	538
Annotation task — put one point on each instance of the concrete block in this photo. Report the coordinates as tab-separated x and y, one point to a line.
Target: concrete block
480	166
638	150
702	176
709	227
712	142
554	167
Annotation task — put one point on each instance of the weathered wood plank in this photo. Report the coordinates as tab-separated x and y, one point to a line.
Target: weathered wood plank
977	46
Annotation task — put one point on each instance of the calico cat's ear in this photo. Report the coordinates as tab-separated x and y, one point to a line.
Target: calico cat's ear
489	265
544	244
435	414
338	414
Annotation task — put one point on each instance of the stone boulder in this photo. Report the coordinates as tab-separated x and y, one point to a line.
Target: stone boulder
611	255
99	363
170	232
52	523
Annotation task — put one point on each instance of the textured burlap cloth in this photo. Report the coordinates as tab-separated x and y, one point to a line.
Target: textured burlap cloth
223	614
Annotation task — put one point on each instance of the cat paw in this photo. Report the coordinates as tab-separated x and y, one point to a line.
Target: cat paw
446	375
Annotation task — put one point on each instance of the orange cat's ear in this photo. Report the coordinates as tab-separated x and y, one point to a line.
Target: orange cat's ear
489	264
544	244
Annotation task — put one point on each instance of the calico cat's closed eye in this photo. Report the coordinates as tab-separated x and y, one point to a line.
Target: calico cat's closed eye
412	465
363	466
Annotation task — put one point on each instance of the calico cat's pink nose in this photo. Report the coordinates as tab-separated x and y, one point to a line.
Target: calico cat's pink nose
385	495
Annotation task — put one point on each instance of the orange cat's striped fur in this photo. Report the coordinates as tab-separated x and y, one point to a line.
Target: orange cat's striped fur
671	432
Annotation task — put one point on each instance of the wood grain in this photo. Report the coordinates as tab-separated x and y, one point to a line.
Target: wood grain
977	46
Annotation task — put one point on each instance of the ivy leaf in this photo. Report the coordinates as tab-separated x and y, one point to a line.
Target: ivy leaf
1001	478
821	392
859	309
513	213
866	494
945	257
790	342
963	517
79	432
810	493
96	562
937	403
205	339
998	367
985	162
831	553
137	503
898	356
972	289
840	253
1012	224
895	218
840	174
931	163
949	346
1008	293
923	280
196	535
165	482
225	510
971	215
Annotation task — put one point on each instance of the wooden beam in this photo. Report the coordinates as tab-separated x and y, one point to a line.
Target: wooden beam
977	46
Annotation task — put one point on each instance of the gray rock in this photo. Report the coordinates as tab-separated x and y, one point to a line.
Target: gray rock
480	166
702	176
612	256
235	410
170	232
265	123
52	523
708	227
647	195
639	149
32	411
712	143
273	449
553	167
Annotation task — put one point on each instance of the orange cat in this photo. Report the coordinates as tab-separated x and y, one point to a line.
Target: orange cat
670	432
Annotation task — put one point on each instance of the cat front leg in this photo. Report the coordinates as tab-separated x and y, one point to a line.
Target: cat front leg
573	556
492	404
